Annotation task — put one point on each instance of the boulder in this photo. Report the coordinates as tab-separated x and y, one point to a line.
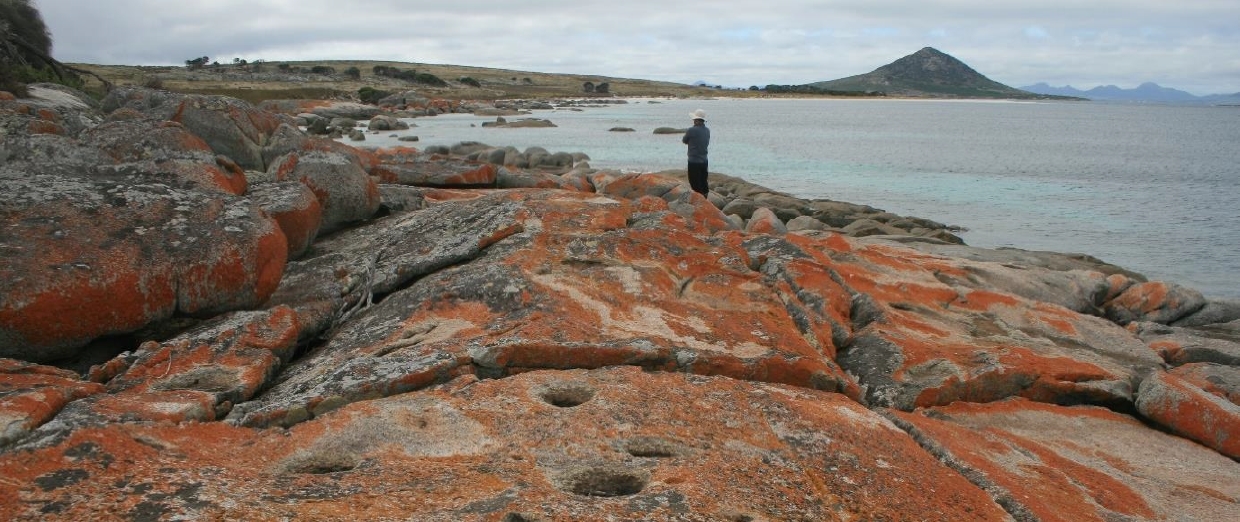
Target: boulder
296	210
231	127
514	178
347	110
805	223
100	256
344	189
1216	311
166	151
1197	401
1179	345
742	207
1154	301
382	122
764	221
431	172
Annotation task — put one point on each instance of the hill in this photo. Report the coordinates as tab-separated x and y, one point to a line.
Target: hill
329	79
1146	92
928	73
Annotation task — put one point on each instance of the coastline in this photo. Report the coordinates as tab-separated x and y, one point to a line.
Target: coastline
447	334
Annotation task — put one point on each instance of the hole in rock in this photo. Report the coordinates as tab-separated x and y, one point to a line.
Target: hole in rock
606	481
522	517
567	394
212	379
651	447
320	464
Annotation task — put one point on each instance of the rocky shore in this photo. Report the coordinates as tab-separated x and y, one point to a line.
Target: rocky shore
209	313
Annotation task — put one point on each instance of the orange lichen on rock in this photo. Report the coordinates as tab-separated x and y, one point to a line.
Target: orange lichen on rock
559	445
1188	410
1049	462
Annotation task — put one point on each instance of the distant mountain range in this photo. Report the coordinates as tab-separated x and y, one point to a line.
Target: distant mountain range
928	73
1149	92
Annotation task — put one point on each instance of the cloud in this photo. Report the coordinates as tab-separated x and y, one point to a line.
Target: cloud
1187	44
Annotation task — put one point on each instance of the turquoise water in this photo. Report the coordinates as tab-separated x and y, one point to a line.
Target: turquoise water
1151	188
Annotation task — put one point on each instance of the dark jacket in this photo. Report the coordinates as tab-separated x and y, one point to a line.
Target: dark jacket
698	138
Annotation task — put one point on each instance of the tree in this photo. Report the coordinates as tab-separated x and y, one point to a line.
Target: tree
26	50
26	38
353	73
602	88
196	63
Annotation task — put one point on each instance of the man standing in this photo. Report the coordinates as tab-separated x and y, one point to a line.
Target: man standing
698	138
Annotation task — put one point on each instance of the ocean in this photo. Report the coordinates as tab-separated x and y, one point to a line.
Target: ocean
1152	188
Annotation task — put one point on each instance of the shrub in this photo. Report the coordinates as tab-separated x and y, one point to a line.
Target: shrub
371	95
470	81
323	69
429	79
353	73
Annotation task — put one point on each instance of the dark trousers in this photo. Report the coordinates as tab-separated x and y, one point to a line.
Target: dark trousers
697	178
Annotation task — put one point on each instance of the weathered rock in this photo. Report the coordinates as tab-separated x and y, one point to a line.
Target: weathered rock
805	223
926	343
348	110
382	122
589	298
296	210
30	395
1154	301
679	197
230	126
614	444
870	227
1045	462
1176	345
764	221
512	178
502	349
196	376
166	151
1077	283
344	189
90	257
432	172
1190	403
1215	311
742	207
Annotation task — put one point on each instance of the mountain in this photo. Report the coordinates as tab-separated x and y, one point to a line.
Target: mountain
1148	91
927	73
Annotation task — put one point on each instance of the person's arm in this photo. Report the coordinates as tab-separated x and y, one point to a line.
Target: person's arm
685	139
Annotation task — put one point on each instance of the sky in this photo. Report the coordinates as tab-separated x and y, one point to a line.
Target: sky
1192	45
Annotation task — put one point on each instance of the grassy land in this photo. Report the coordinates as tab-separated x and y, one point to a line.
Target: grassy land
293	80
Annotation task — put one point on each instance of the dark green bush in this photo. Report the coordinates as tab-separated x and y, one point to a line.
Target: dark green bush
371	95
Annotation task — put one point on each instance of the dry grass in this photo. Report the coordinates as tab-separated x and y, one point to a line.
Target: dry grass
271	83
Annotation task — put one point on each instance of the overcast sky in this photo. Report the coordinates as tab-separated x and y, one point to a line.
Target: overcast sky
1193	45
